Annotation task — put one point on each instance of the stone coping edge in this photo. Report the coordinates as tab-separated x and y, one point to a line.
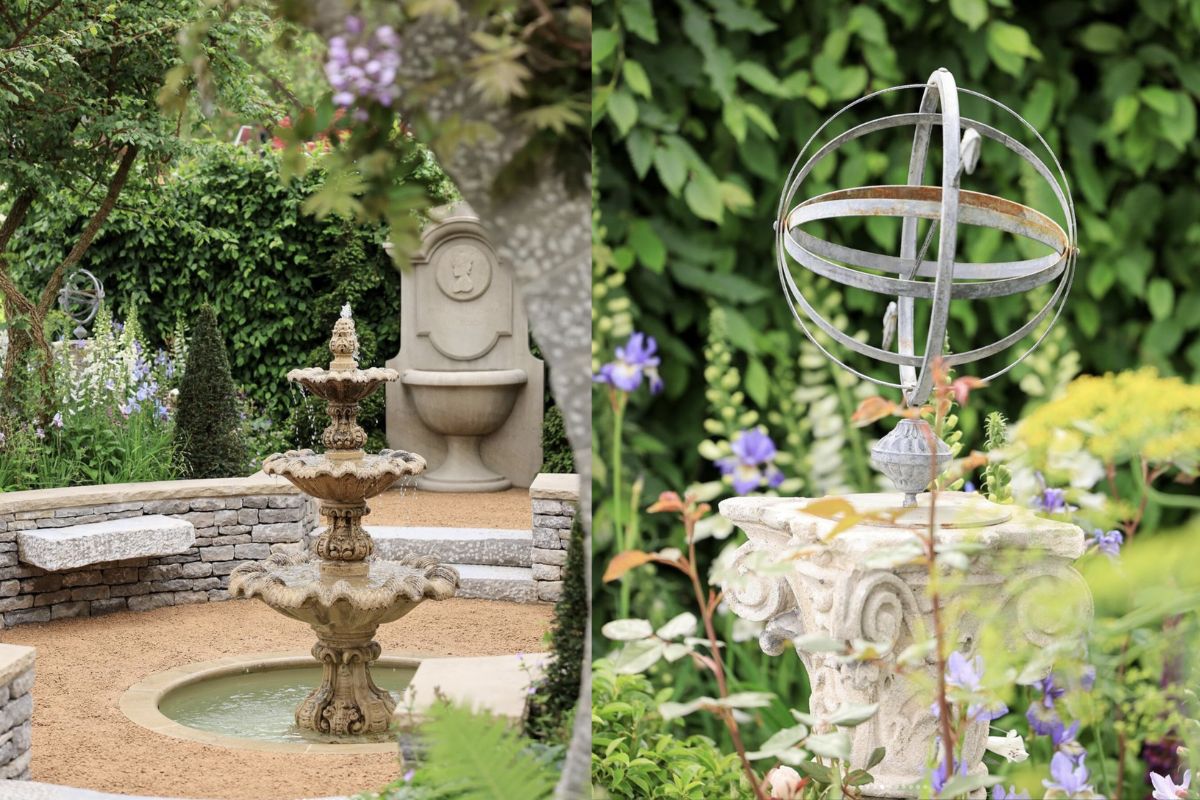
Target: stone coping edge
555	486
139	703
14	659
104	494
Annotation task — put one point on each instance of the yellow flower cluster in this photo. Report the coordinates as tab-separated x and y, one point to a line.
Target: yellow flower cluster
1119	418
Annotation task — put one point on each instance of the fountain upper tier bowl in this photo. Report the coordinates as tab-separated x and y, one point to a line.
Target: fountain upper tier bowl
342	385
343	481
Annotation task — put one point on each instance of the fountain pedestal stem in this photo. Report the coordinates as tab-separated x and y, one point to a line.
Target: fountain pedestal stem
347	702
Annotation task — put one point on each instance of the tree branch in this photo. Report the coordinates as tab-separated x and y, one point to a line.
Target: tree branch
115	185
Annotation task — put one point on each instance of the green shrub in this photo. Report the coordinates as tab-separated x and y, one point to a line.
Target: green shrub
557	455
558	693
635	756
208	438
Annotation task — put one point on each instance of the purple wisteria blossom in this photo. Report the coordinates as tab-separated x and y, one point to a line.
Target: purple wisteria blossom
634	361
1011	793
1166	789
363	68
752	463
1108	543
1068	775
967	675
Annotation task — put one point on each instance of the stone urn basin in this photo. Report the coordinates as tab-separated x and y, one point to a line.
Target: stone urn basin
464	407
339	590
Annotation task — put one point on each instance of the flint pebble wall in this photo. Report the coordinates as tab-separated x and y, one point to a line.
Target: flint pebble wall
555	500
236	520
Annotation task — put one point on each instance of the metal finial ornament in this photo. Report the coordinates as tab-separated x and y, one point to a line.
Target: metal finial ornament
906	455
80	298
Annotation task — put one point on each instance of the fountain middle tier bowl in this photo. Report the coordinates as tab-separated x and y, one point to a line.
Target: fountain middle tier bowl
343	607
348	481
342	386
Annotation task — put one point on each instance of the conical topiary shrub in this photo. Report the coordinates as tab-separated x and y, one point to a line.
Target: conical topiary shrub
208	439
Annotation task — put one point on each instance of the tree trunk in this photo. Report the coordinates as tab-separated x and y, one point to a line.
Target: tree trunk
20	342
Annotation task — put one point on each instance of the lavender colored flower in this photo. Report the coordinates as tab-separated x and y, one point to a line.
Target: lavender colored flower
752	463
1068	775
408	776
1107	543
1042	719
39	433
1050	690
57	420
1166	789
363	69
1062	735
969	487
1011	793
1088	678
634	361
967	675
941	775
163	412
1051	500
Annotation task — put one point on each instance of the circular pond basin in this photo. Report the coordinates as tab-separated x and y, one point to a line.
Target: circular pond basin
261	704
249	702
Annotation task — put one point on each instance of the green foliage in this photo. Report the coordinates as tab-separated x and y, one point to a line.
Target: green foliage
223	222
557	455
471	756
733	94
635	755
996	475
558	694
208	438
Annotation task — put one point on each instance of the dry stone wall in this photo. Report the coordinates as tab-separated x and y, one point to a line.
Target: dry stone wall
236	520
16	711
555	500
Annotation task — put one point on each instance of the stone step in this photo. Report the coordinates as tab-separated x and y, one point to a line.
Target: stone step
497	547
487	582
77	546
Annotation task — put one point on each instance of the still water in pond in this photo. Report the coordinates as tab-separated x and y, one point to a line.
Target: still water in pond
261	705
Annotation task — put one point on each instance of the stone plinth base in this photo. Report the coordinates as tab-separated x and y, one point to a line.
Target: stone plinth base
836	589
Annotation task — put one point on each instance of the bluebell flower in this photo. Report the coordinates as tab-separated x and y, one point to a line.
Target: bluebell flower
752	463
1068	775
634	361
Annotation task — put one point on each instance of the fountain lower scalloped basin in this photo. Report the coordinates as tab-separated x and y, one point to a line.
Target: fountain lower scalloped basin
348	481
249	703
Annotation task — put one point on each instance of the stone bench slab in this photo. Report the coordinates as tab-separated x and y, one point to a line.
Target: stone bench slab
485	546
77	546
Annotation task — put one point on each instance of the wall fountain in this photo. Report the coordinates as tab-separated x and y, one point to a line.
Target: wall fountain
340	590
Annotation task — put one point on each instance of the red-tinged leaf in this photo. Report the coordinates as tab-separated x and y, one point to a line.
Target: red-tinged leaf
623	562
871	410
667	501
962	387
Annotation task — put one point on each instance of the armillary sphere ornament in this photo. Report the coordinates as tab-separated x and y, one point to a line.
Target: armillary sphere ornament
907	454
80	298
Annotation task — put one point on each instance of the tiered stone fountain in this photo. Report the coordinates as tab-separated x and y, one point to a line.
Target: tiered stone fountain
340	590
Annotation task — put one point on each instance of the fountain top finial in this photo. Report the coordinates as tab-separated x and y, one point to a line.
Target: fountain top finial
344	343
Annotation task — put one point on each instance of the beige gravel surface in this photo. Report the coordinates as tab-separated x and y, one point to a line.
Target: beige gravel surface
81	739
509	509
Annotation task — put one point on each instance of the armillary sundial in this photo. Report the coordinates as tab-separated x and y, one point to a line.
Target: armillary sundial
912	276
80	298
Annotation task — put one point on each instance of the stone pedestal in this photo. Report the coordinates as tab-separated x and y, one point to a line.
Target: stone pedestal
832	590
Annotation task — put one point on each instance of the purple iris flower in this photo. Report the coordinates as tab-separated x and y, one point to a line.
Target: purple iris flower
1000	793
968	487
1088	679
57	421
1042	719
1067	775
967	675
1061	735
941	775
1051	500
752	463
634	360
1050	690
1107	543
